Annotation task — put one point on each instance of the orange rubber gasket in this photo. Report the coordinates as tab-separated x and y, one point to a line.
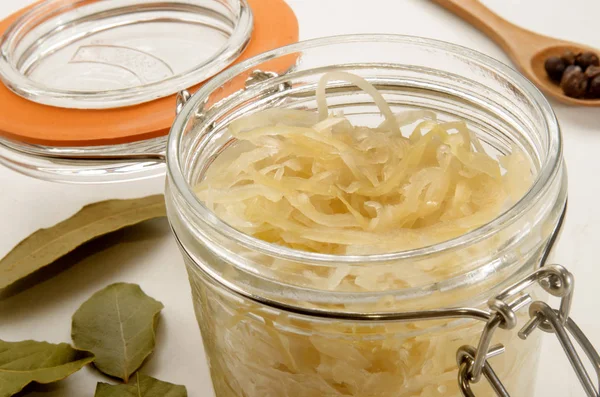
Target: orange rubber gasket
21	120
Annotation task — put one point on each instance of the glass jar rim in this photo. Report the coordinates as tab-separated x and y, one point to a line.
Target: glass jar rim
114	98
549	170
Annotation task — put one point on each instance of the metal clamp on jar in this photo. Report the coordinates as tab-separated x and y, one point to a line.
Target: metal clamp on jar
557	281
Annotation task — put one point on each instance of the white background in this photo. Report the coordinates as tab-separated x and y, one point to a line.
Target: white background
147	255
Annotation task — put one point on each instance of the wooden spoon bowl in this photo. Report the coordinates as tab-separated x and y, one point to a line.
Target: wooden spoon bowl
528	50
537	73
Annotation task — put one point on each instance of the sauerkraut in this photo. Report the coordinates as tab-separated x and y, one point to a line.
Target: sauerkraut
319	183
316	182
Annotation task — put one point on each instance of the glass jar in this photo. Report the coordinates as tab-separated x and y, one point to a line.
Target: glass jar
273	323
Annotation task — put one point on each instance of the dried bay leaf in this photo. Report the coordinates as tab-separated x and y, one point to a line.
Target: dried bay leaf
118	325
47	245
144	386
29	361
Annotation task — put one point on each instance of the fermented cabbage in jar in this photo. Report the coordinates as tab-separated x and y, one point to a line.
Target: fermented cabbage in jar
316	182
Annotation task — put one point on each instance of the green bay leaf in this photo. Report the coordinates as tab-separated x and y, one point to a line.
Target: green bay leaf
141	386
29	361
118	325
47	245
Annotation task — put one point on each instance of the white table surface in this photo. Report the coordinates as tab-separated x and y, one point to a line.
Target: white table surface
147	255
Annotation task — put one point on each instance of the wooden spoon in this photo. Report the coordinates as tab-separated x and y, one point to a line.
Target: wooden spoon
527	49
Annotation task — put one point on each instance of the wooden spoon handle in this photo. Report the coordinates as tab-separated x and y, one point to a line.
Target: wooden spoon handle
514	40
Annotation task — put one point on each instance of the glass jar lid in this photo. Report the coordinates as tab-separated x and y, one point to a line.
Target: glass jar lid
90	80
107	54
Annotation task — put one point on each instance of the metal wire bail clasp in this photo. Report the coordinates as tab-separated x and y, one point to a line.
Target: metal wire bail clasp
182	98
557	281
256	77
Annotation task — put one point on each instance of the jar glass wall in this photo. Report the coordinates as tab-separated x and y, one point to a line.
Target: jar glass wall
246	290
